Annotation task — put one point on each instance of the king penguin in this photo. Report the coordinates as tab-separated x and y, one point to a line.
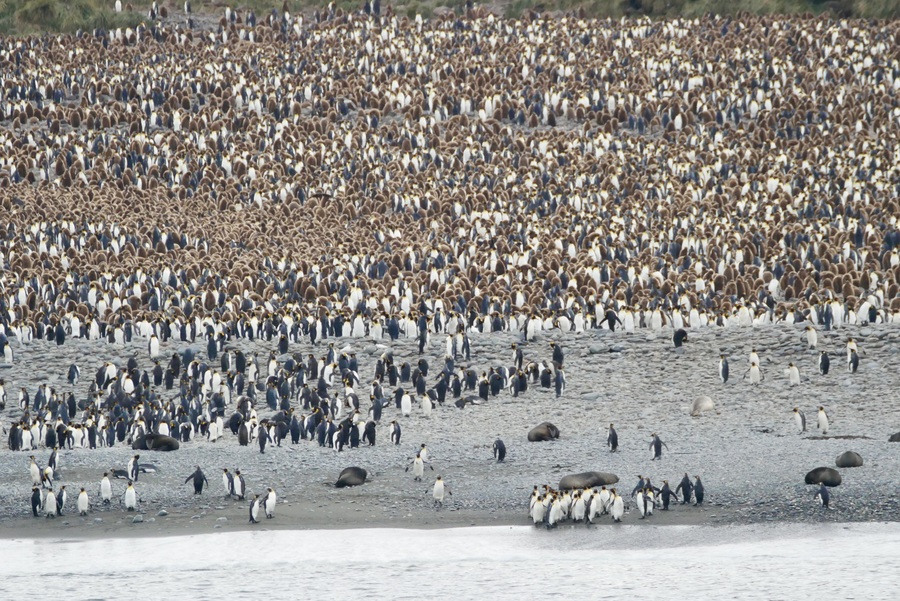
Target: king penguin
499	450
723	369
800	420
254	510
822	421
83	503
199	478
612	439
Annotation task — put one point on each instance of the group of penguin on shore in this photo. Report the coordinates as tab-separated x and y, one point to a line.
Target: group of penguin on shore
549	507
126	398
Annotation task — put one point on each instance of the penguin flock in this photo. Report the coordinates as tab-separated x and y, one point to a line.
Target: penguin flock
549	507
351	177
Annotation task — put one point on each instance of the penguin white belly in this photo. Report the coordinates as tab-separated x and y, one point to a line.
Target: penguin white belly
426	406
405	405
618	509
130	498
537	514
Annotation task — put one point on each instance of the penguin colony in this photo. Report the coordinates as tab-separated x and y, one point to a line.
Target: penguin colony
291	181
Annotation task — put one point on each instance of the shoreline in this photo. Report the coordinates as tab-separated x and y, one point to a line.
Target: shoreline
181	525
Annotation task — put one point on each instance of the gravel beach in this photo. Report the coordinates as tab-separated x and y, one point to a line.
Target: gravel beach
748	452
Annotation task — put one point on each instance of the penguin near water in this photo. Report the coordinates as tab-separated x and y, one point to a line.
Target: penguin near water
50	504
240	485
228	482
83	503
268	503
438	492
686	488
823	496
36	501
199	478
667	495
61	497
105	489
499	450
254	510
130	497
699	491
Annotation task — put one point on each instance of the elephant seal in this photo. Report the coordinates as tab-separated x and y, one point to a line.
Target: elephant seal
544	431
701	404
849	459
351	476
824	475
587	480
155	442
894	438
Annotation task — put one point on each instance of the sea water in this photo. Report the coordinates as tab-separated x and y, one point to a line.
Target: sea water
778	561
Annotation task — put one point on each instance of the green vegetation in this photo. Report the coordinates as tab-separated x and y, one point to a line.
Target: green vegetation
23	17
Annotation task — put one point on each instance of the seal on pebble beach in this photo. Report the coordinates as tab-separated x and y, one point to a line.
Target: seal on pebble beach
542	432
351	476
849	459
824	475
587	480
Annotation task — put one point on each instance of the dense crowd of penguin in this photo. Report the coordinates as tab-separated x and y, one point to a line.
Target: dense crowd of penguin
356	175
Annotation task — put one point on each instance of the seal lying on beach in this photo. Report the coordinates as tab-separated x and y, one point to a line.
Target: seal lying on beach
587	480
155	442
849	459
544	431
824	475
351	476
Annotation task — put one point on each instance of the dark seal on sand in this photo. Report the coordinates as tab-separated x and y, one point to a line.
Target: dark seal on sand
894	438
155	442
849	459
351	476
587	480
544	431
824	475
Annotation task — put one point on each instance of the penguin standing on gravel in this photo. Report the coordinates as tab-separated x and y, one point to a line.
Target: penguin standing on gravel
667	495
823	496
228	482
499	451
612	439
800	420
824	363
686	487
723	369
656	446
36	500
699	491
254	510
557	353
134	468
199	478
